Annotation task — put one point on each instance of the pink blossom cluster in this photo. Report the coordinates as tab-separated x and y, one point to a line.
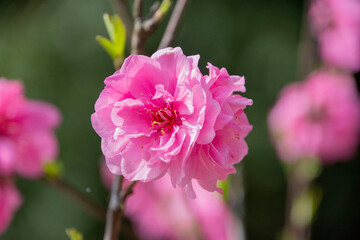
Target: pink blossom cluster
170	214
27	141
160	115
319	117
336	23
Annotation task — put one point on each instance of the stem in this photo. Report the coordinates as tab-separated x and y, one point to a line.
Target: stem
137	42
116	208
173	24
91	206
303	198
113	220
297	187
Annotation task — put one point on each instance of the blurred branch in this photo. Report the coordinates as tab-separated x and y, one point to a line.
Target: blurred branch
173	24
302	199
88	204
122	9
296	187
145	28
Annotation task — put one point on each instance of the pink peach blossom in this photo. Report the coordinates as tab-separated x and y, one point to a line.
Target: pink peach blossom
221	142
319	117
154	112
10	201
170	214
26	131
336	23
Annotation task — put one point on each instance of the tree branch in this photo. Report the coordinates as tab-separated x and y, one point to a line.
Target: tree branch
91	206
173	24
116	208
143	29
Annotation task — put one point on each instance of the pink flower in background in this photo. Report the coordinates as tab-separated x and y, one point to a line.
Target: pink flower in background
10	201
170	214
27	140
154	112
336	24
317	118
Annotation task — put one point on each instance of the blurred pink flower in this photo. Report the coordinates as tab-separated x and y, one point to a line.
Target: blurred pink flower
155	110
317	118
336	23
10	201
170	214
26	131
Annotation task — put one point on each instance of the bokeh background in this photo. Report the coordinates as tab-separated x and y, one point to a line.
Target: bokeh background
50	45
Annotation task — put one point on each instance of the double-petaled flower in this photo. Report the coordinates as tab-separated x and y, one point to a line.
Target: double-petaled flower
160	115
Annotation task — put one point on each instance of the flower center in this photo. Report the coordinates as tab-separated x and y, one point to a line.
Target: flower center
7	127
317	114
163	118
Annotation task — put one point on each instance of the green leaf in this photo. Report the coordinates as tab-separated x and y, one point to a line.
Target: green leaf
54	169
225	186
107	45
73	234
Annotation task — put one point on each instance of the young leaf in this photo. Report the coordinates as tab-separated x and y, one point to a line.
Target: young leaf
109	26
225	186
73	234
164	7
107	45
54	169
119	36
116	45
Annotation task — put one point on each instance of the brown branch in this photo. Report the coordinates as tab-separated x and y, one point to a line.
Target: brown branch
173	24
91	206
116	208
113	220
143	29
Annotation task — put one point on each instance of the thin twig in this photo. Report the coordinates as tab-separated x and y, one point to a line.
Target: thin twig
116	208
88	204
143	29
153	9
173	24
137	45
297	186
113	220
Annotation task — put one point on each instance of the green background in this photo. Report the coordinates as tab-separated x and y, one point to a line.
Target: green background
50	46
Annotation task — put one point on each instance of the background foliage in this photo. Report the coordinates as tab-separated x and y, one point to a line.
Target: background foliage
50	46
